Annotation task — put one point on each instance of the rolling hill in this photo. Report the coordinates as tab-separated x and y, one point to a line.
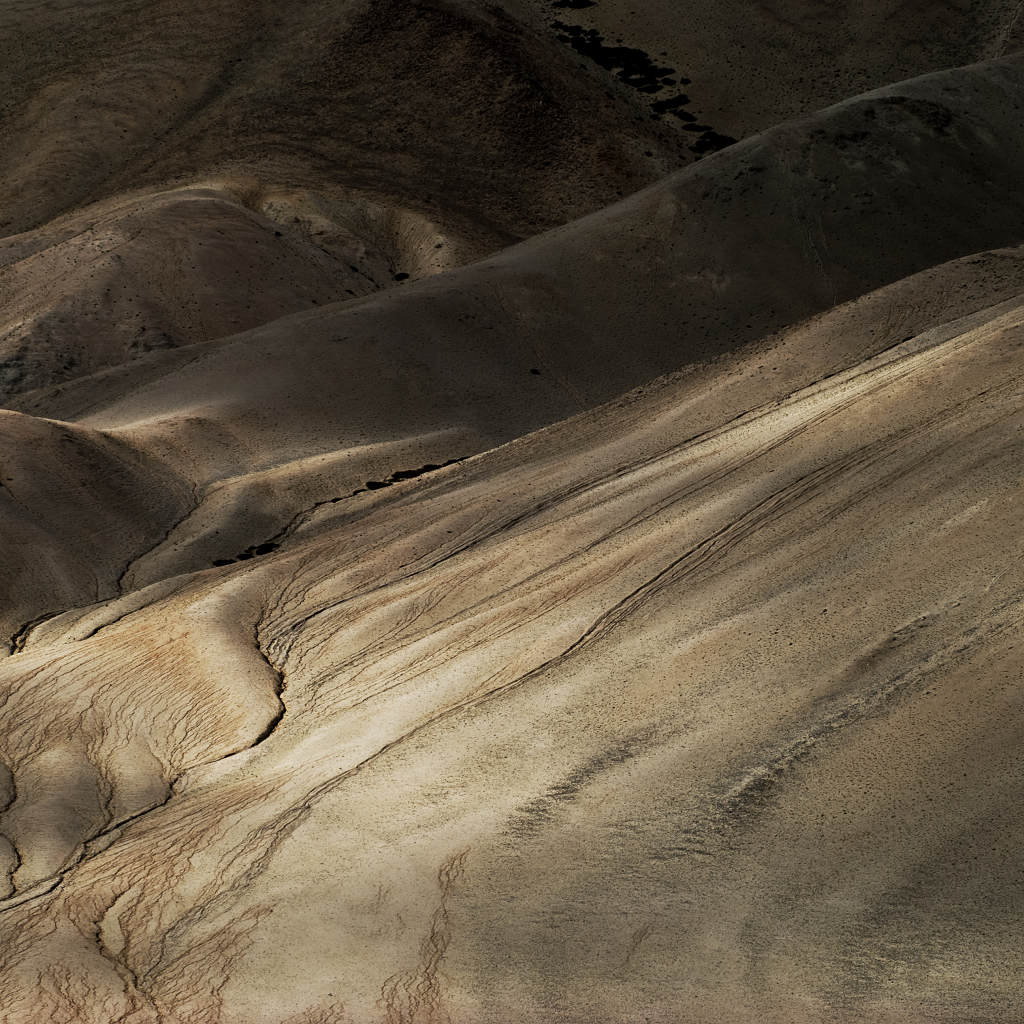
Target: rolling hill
556	561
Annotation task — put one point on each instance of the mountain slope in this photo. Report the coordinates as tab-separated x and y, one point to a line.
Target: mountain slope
493	121
163	270
568	706
452	110
316	406
739	68
407	626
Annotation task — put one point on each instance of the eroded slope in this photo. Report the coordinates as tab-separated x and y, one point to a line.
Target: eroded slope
313	407
567	706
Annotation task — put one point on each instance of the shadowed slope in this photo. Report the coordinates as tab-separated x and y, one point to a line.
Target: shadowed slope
738	67
449	109
97	97
75	507
774	230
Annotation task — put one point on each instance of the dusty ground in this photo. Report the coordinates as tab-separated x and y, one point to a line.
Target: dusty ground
403	625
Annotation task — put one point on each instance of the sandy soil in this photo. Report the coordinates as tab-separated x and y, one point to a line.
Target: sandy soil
415	616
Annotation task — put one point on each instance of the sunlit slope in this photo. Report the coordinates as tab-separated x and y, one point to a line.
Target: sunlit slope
315	407
703	703
389	660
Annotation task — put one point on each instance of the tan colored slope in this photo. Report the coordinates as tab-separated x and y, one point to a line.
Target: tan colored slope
703	705
312	408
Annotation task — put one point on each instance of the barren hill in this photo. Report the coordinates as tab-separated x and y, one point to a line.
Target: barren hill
417	616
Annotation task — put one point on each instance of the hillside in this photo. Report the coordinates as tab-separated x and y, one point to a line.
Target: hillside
556	562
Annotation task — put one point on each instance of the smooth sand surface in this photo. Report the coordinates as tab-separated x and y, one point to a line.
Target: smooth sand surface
407	626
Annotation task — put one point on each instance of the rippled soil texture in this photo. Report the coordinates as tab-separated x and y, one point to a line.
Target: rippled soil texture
495	530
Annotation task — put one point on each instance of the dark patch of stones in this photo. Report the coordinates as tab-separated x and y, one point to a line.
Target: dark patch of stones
371	485
636	69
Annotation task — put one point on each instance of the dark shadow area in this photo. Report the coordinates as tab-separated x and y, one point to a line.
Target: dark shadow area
638	70
269	546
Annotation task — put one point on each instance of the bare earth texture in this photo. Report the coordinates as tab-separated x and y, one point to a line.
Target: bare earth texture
412	615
